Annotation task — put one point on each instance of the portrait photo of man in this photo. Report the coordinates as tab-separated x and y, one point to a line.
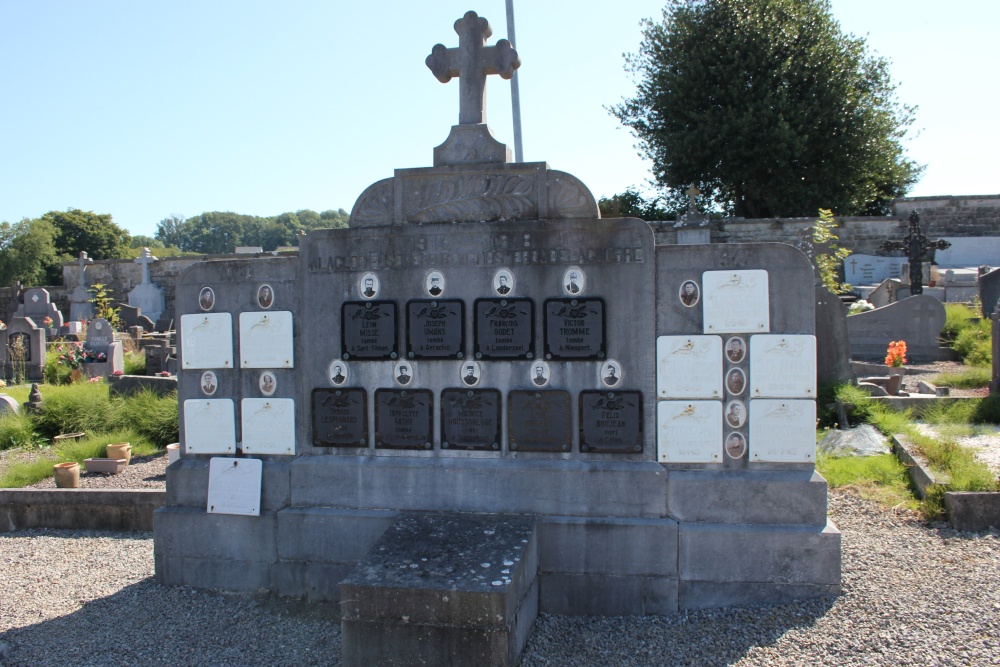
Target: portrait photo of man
206	299
265	296
403	375
736	381
435	287
611	376
735	349
689	293
502	288
573	282
369	290
209	383
736	445
338	376
541	377
736	414
471	377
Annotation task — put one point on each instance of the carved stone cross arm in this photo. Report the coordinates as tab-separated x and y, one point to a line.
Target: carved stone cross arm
472	61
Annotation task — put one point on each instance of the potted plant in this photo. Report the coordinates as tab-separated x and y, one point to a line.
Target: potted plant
895	358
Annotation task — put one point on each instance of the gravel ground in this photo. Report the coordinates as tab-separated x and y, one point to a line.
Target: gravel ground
914	594
985	440
142	472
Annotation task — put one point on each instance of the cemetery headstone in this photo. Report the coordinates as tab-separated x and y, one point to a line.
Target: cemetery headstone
105	354
885	293
833	348
918	320
80	305
38	306
989	292
22	350
8	405
871	269
147	296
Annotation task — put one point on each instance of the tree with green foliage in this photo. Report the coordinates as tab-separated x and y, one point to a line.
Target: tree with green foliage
28	253
769	108
85	231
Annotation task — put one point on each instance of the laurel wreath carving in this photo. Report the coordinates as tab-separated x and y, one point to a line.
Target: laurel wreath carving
481	197
568	197
375	205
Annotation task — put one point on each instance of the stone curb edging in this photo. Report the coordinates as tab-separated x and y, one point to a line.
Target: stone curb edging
970	511
80	509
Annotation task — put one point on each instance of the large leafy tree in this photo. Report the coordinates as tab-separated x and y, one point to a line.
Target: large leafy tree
28	253
769	108
85	231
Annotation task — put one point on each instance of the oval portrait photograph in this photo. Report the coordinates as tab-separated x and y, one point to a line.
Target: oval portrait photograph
265	296
689	293
736	414
503	282
539	373
206	298
736	349
338	373
369	286
209	383
267	383
434	283
574	281
471	372
736	445
736	381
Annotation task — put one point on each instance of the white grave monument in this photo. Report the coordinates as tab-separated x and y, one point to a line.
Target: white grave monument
146	296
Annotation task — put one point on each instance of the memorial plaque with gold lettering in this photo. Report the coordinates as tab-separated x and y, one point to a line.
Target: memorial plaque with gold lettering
434	329
611	421
340	417
403	418
368	330
539	421
505	329
470	419
574	329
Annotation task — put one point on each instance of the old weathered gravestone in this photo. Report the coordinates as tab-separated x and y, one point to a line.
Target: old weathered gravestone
886	293
833	347
479	343
146	296
871	269
105	354
38	306
989	291
918	320
81	306
22	350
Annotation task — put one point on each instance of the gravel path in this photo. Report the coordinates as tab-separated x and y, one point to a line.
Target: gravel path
913	595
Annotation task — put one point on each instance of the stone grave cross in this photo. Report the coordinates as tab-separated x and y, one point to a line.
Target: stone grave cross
83	262
916	245
472	61
144	261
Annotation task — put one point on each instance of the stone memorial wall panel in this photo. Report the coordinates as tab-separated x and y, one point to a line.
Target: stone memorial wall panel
611	422
404	418
782	366
871	270
689	431
539	421
736	301
435	329
207	340
340	417
505	329
470	419
689	366
266	340
209	426
234	486
783	431
368	330
268	425
574	329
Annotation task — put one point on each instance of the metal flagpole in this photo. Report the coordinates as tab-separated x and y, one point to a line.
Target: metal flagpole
515	95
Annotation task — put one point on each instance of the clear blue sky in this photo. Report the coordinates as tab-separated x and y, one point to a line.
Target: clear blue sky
147	109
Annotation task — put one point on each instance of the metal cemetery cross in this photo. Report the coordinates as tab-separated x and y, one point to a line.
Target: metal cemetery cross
472	61
916	246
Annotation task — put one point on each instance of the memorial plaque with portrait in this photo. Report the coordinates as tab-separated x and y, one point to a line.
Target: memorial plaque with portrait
368	330
574	329
539	421
689	431
435	329
689	366
736	301
505	328
782	431
611	422
268	425
783	366
266	340
470	419
404	418
340	417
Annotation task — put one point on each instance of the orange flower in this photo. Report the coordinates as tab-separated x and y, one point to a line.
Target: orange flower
896	355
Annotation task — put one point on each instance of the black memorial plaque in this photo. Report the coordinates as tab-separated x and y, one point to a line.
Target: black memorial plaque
470	419
574	329
340	417
505	329
435	329
539	421
403	418
611	422
368	330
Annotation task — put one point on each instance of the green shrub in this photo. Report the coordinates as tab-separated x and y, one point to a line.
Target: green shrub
957	316
973	344
82	406
971	377
150	415
17	430
135	363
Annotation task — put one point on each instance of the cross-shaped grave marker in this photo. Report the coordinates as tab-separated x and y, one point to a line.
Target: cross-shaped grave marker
472	61
692	192
144	261
83	262
916	245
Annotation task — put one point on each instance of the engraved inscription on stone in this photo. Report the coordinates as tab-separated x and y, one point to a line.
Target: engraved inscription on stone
539	421
505	329
470	419
435	329
689	431
574	329
611	421
403	418
368	330
207	340
735	301
234	486
266	340
340	417
689	366
268	425
209	426
782	366
782	431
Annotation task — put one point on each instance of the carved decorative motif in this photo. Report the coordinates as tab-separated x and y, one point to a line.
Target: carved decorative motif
476	197
569	197
374	206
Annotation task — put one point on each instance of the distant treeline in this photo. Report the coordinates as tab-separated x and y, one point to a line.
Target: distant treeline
217	232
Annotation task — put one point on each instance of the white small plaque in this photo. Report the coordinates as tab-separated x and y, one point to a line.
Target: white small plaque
207	340
268	425
266	340
782	366
209	426
735	301
689	366
783	431
689	431
234	486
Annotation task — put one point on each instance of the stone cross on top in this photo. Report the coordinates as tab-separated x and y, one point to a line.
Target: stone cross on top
472	61
144	261
83	262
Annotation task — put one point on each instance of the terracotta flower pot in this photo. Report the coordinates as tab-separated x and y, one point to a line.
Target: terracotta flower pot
120	450
67	475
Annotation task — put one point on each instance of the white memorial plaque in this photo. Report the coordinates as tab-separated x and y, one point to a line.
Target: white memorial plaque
266	340
234	486
268	425
207	340
782	366
735	301
209	426
689	366
783	431
689	431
